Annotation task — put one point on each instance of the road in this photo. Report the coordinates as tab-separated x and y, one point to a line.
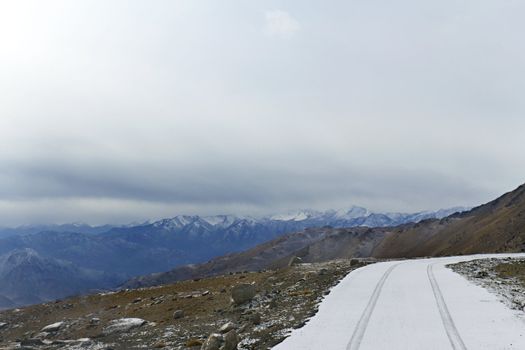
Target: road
410	304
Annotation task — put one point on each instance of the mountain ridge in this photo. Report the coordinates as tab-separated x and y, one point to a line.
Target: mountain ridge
496	226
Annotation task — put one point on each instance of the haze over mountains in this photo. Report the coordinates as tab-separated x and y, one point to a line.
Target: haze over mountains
69	259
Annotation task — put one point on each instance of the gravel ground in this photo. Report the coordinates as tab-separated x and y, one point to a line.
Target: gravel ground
285	299
504	277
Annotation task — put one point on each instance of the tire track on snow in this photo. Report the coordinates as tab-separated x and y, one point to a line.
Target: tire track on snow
359	331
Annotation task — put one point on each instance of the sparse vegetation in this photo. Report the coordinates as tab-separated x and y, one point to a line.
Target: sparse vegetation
284	300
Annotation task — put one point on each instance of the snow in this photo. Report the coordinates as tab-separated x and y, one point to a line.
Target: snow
53	327
406	311
123	325
175	223
222	220
296	216
352	213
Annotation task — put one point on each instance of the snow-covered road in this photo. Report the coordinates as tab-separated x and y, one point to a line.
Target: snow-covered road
410	304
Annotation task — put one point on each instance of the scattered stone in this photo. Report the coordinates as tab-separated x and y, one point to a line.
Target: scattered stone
230	340
213	342
178	314
94	321
42	335
3	325
123	325
193	342
54	327
242	293
160	345
256	318
482	274
32	342
227	327
137	300
323	272
206	292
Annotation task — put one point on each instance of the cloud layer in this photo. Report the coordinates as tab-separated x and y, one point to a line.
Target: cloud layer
280	23
122	111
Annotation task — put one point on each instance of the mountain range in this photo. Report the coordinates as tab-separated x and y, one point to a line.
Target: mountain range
105	256
495	227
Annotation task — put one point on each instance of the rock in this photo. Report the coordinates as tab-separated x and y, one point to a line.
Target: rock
272	304
3	325
482	274
94	321
242	293
213	342
123	325
178	314
32	342
223	290
322	272
354	262
256	318
206	292
193	342
54	327
227	327
42	335
230	341
137	300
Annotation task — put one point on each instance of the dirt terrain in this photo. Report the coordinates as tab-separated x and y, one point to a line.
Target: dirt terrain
178	316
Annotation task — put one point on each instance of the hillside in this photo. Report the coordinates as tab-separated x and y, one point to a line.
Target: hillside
28	278
498	226
310	245
178	316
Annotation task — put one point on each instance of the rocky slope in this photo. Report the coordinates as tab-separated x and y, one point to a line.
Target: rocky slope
255	310
310	245
498	226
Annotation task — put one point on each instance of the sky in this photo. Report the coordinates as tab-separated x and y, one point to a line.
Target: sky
120	111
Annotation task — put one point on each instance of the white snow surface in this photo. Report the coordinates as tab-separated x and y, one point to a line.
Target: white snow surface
123	325
53	327
411	304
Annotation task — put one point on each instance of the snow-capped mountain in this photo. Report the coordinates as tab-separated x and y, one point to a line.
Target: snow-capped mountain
129	251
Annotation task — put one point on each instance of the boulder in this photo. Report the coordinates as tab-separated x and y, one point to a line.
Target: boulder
230	341
32	342
227	327
178	314
213	342
242	293
256	318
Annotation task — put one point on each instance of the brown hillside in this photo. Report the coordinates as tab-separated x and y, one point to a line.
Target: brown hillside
498	226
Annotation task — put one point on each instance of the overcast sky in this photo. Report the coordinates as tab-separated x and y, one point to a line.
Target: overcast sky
116	111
